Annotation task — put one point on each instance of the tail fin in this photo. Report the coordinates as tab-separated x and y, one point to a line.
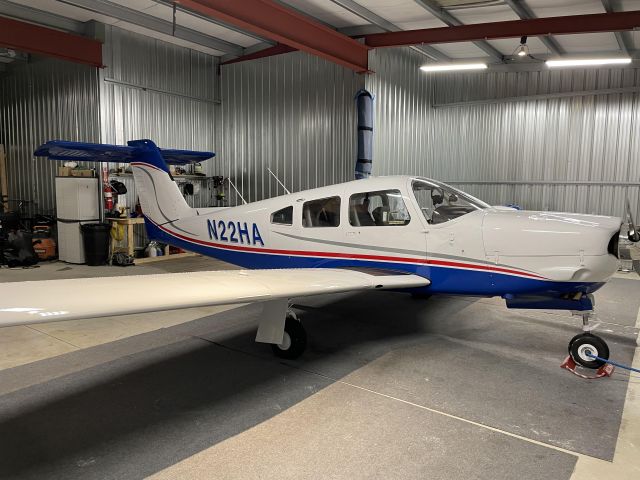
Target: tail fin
160	197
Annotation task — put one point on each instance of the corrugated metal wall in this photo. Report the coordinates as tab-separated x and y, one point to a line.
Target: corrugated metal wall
149	89
294	113
39	101
578	154
156	90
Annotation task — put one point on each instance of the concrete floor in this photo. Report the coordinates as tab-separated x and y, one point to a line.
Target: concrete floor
50	339
390	387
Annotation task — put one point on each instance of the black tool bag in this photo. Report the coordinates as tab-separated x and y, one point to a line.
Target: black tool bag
119	187
19	250
187	188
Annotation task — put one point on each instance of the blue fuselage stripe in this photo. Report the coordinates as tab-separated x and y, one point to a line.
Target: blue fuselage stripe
445	280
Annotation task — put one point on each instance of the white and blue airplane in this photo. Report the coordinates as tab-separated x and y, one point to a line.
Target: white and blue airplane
403	233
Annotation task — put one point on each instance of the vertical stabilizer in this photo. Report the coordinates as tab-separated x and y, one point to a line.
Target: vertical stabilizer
159	195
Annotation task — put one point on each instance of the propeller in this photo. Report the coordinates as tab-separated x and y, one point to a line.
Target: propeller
633	234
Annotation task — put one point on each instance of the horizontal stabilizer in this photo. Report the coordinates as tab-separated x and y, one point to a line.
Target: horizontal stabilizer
98	152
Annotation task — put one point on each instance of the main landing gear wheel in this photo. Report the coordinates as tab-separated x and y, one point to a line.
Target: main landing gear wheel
294	341
587	343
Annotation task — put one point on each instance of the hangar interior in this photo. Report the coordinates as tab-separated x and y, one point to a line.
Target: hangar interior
390	386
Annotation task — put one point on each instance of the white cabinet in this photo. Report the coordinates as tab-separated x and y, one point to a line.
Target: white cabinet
77	203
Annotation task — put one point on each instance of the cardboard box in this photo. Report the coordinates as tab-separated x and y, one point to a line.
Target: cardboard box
79	172
64	171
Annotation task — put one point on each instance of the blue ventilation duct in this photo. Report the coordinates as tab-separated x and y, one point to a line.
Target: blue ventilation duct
364	103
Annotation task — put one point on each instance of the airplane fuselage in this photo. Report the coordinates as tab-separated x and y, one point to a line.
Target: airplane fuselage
469	249
403	233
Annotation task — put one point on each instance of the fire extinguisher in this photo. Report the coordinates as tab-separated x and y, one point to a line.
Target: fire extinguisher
109	202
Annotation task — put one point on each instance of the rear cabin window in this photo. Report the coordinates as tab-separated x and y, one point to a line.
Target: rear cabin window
283	216
382	208
324	212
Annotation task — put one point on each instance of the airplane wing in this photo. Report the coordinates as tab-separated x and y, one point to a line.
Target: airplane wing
57	300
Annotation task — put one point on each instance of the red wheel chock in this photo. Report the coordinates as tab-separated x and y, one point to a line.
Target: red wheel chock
604	371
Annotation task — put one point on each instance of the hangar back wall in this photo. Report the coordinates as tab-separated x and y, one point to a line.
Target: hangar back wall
522	136
503	136
295	114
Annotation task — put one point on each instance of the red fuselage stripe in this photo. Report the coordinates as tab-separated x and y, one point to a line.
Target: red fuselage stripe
355	256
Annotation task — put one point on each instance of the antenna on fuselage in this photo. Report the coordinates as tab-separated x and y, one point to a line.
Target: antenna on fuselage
239	194
278	180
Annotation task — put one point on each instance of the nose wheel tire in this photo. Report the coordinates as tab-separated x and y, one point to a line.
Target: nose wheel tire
294	342
586	343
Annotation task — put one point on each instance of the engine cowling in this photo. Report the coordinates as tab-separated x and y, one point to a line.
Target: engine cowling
531	233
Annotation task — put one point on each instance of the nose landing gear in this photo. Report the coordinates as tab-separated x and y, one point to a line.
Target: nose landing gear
585	344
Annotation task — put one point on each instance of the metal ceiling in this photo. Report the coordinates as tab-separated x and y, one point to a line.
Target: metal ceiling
155	18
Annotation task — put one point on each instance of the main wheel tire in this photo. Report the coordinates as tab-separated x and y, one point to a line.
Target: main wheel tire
294	342
585	343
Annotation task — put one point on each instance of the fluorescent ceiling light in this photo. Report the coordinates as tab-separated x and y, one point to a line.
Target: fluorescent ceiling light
587	62
448	67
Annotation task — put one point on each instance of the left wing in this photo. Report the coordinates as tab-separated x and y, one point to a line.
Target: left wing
56	300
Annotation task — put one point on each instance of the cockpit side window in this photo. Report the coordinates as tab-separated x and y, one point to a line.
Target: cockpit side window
440	203
382	208
324	212
283	216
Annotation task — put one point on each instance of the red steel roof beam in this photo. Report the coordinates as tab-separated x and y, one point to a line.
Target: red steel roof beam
567	25
284	25
30	38
278	49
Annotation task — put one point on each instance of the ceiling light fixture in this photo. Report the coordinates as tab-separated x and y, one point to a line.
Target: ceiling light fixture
449	67
587	62
523	49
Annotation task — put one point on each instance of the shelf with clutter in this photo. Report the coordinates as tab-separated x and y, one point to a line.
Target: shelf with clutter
123	241
123	210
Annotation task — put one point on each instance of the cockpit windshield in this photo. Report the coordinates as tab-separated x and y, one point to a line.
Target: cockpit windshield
440	202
